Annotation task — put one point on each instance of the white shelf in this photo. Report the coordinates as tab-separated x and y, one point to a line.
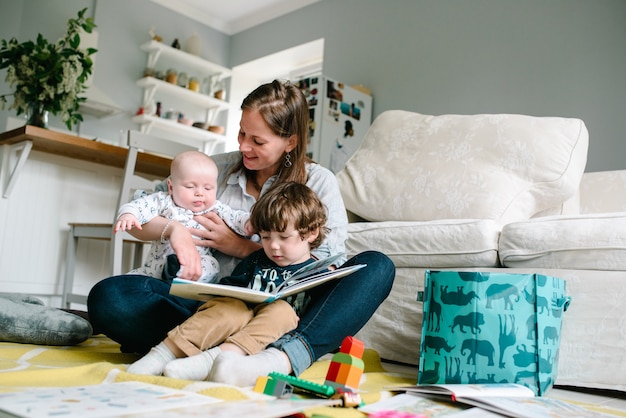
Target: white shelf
151	85
156	49
196	136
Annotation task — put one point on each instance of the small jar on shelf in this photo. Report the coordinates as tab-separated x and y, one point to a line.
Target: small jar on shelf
194	84
183	80
171	76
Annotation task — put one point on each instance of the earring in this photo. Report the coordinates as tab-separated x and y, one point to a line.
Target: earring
288	162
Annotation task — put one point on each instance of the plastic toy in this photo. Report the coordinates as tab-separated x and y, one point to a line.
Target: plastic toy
346	366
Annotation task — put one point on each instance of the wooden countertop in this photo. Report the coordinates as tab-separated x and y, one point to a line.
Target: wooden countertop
72	146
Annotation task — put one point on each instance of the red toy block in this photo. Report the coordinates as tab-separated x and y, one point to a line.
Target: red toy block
333	371
352	346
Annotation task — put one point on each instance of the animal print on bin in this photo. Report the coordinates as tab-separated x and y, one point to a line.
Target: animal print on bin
491	328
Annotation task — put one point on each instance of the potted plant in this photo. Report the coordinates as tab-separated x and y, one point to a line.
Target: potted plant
48	77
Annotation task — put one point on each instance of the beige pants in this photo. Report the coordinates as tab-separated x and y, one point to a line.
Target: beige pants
231	320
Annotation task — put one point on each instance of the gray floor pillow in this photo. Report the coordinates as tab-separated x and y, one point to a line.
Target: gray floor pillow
25	319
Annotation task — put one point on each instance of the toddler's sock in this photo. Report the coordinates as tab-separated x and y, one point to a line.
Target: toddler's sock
233	369
195	367
154	362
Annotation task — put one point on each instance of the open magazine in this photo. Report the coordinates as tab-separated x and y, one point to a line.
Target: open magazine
508	399
311	275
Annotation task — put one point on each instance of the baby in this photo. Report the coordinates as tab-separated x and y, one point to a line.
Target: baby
192	188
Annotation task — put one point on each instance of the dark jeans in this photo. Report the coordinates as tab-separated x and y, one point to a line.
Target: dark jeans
138	311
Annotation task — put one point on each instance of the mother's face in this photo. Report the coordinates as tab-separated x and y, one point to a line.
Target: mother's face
262	149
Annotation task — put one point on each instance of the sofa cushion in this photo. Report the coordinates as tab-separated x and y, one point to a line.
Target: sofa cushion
413	167
435	244
581	242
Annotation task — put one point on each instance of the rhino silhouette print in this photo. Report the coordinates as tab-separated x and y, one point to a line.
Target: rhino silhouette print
457	298
540	302
436	343
523	357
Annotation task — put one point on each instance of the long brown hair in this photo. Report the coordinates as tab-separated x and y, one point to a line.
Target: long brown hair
284	109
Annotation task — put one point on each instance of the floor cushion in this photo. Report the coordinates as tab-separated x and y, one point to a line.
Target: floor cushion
25	319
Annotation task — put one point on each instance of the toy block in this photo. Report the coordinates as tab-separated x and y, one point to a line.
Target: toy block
333	371
344	358
272	387
348	376
260	384
352	346
325	391
346	366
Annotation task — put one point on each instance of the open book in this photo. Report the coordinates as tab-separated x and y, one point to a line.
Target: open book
506	399
138	399
311	275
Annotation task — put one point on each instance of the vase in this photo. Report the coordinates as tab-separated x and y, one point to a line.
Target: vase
36	115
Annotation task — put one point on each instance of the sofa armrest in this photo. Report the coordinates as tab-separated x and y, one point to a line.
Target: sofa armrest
603	191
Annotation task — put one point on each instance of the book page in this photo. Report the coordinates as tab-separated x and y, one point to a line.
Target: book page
432	407
530	407
104	400
317	280
312	268
472	390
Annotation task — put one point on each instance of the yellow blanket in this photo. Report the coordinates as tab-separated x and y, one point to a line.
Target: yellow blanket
98	360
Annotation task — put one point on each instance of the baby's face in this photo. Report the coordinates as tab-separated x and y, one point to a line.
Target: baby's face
194	189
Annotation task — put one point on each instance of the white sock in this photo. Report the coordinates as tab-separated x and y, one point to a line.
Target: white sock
233	369
154	362
195	367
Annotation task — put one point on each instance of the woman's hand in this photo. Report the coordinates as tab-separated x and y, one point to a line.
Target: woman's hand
219	236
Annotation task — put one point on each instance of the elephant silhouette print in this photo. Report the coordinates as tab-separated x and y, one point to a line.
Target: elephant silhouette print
491	327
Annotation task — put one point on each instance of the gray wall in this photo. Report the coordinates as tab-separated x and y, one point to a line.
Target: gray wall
537	57
122	27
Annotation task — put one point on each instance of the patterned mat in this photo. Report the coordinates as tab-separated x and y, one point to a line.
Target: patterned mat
98	360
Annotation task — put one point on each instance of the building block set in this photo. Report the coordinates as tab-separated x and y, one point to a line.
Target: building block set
342	379
346	366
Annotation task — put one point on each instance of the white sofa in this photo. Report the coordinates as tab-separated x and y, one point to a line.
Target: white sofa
493	192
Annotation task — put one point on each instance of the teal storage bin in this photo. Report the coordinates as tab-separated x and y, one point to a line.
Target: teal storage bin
484	327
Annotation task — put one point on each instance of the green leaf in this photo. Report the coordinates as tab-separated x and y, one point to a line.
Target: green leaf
75	41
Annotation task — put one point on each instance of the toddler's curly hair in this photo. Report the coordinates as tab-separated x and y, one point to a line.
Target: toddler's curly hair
290	203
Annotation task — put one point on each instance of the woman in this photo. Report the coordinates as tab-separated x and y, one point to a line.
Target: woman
138	311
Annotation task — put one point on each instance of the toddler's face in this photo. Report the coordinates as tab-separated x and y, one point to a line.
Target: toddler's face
288	247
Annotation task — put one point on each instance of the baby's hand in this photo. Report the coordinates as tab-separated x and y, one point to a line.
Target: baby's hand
126	222
248	228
